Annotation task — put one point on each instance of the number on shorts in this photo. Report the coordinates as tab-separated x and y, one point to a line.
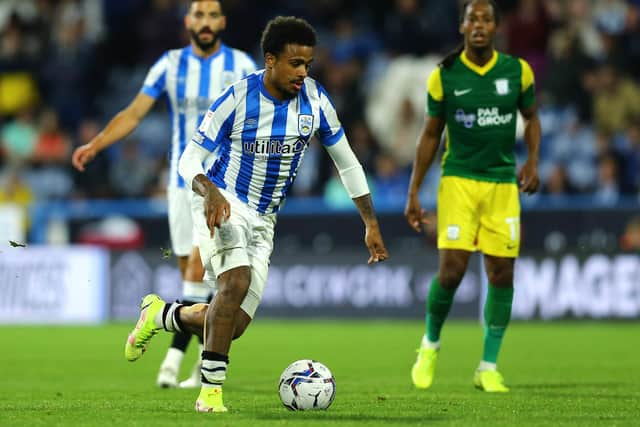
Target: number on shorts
514	227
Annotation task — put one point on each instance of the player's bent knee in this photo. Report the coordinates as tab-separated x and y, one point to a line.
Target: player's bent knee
450	279
234	284
501	279
233	291
451	272
500	272
232	296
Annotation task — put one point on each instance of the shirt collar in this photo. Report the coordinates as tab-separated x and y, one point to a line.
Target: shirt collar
482	70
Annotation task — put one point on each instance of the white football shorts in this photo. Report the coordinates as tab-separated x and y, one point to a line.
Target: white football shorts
246	239
183	237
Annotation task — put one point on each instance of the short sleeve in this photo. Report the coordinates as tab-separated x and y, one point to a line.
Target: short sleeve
330	130
435	94
155	82
527	86
217	123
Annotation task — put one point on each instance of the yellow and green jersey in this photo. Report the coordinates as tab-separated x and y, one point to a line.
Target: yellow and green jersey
480	106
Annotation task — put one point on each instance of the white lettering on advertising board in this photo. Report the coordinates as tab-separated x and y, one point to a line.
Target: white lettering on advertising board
53	285
598	287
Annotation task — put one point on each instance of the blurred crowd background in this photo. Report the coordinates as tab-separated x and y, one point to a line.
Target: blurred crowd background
67	66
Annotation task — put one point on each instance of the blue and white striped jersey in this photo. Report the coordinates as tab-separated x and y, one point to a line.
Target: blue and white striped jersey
257	142
191	84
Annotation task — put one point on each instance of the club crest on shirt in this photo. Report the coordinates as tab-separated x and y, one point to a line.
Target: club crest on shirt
305	124
502	86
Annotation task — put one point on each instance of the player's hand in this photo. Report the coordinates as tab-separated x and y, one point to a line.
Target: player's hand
83	155
216	209
373	240
528	178
416	216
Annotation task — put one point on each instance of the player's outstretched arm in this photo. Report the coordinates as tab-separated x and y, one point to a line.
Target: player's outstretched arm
120	126
372	237
425	153
355	182
528	176
352	176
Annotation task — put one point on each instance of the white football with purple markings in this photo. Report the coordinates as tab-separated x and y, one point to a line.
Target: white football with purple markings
307	385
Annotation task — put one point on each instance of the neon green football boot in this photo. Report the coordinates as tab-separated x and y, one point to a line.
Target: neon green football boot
145	329
210	400
424	368
489	381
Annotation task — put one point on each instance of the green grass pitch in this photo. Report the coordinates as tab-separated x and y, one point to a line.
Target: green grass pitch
560	374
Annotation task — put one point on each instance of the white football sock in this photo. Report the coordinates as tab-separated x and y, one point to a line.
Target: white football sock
425	343
173	358
214	372
168	323
487	366
195	291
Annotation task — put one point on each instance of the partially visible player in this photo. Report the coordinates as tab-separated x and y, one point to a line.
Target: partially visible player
190	78
256	133
476	93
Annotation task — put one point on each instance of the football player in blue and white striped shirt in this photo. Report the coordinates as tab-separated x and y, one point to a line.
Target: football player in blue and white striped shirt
189	79
252	140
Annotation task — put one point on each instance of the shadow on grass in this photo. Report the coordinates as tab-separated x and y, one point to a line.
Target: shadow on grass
319	416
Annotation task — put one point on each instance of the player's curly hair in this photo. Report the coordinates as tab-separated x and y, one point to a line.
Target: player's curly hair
283	30
451	57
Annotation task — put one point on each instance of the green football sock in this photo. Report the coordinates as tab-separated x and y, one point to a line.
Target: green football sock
497	312
438	306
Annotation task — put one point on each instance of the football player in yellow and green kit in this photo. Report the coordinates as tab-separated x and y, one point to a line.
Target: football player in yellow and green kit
475	94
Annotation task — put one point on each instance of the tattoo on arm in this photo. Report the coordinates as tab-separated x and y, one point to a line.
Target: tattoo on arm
365	206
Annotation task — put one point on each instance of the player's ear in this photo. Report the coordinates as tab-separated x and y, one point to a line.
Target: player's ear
187	21
269	60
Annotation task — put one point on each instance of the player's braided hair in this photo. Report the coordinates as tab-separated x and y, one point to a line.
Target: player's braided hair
451	56
283	30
